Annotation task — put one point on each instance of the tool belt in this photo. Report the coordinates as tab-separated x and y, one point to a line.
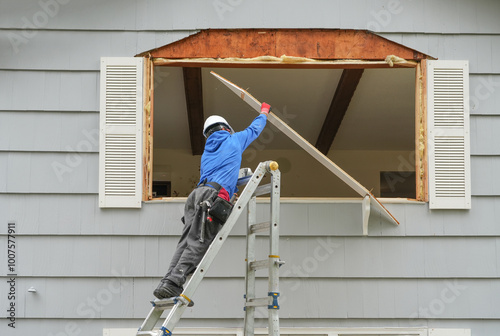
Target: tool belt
220	209
217	208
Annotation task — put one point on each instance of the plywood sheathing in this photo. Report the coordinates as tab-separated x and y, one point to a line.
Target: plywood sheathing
318	44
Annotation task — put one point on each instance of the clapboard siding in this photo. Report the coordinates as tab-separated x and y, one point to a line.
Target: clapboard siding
32	172
49	131
80	50
49	90
311	257
484	94
77	214
483	128
484	178
480	50
221	298
418	16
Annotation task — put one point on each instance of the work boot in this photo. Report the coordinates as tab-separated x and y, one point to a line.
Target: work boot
167	289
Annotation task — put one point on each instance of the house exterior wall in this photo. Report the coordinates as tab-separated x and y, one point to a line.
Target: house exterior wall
95	268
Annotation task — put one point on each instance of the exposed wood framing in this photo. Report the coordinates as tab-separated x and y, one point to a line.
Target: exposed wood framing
194	104
274	64
320	44
343	94
421	131
147	187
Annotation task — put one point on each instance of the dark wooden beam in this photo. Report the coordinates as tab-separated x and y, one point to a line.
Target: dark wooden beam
340	102
194	104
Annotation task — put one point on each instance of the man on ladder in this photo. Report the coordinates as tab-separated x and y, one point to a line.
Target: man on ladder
220	164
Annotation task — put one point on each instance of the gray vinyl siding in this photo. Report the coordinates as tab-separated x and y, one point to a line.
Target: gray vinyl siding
427	16
72	252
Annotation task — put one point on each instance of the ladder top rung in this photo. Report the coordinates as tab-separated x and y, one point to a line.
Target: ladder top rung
263	190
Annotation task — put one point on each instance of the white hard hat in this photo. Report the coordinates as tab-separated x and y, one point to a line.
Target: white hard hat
215	120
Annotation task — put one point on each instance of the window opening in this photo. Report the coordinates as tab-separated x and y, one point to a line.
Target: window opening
376	134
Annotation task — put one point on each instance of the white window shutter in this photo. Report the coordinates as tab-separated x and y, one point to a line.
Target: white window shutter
120	148
448	134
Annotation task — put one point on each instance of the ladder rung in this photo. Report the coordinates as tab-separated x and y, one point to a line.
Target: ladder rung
259	264
259	302
260	227
167	303
262	190
164	304
148	333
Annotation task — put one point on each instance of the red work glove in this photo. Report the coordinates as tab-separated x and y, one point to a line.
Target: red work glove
265	108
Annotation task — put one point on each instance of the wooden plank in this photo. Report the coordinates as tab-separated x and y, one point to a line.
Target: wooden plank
146	144
194	103
421	132
249	63
338	107
151	128
313	151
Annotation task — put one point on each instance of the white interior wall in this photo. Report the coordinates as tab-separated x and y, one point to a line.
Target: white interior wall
302	176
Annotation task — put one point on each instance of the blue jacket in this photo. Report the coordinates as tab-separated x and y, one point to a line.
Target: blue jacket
221	158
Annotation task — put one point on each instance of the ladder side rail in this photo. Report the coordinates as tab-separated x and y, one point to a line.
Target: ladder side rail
250	271
274	259
177	311
150	321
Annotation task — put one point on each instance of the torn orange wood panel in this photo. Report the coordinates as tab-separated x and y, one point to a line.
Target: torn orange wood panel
321	44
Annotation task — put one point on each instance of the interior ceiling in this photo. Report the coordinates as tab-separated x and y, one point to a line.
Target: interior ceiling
380	115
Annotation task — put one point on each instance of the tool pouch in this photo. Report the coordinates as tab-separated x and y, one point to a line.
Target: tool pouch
220	210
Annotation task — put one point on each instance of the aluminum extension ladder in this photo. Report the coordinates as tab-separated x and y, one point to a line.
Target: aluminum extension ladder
178	304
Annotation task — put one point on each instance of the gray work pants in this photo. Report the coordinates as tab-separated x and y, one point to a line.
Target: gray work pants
190	250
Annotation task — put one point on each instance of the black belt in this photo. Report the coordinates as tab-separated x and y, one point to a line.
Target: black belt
214	185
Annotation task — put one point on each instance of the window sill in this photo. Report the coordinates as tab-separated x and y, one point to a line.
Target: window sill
304	200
